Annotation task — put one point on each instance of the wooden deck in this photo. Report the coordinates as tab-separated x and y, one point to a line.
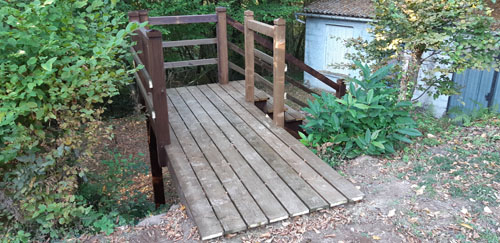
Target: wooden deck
235	170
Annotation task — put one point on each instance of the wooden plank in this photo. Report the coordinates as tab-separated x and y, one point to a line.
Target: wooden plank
343	186
290	201
259	94
197	203
288	57
257	188
259	54
320	185
222	53
260	27
279	72
311	198
143	71
256	75
208	41
249	59
221	203
190	63
250	211
183	19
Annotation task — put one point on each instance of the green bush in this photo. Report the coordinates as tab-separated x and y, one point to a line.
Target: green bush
367	120
58	59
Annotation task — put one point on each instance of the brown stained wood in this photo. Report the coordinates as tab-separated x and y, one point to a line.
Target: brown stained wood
259	191
143	71
200	209
259	94
278	187
259	54
288	57
183	19
242	199
143	17
262	28
190	63
340	183
222	53
320	185
208	41
156	171
155	68
303	190
279	72
342	88
249	59
145	95
221	203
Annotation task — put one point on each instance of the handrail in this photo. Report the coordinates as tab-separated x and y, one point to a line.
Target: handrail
183	19
208	41
291	59
142	70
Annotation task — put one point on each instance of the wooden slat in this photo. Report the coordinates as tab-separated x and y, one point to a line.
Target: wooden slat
242	199
320	185
259	54
221	203
339	182
143	70
259	94
208	41
199	207
260	27
293	205
183	19
311	198
257	77
190	63
264	198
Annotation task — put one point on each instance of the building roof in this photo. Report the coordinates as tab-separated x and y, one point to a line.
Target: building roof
346	8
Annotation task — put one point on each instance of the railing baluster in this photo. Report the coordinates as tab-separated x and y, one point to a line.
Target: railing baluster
279	72
249	58
222	45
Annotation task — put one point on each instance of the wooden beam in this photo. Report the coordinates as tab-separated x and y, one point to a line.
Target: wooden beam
249	58
145	95
260	27
190	63
183	19
208	41
279	72
222	54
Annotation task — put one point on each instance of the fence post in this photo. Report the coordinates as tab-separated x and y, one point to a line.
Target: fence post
222	55
342	88
279	72
143	16
249	58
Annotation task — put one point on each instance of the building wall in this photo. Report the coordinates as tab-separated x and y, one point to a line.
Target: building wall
315	46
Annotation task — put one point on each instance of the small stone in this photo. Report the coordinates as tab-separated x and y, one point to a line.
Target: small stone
487	210
391	213
430	135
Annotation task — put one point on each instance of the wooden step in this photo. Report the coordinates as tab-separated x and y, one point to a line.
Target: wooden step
266	101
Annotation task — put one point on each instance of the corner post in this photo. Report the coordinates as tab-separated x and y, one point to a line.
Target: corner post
279	72
222	55
157	72
342	88
249	58
143	16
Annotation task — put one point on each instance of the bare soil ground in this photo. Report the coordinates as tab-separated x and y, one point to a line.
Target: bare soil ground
443	188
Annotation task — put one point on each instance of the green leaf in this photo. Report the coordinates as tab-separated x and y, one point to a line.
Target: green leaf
401	138
369	96
361	106
378	144
410	132
48	65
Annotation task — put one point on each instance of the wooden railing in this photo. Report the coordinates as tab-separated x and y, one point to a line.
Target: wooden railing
339	86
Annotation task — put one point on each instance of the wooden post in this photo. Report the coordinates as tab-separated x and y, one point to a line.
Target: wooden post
279	72
143	16
249	59
222	46
155	68
341	88
156	171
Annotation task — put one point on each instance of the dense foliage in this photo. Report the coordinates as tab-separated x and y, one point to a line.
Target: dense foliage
58	59
367	120
430	39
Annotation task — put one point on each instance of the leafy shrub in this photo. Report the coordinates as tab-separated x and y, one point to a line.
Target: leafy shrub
58	59
367	120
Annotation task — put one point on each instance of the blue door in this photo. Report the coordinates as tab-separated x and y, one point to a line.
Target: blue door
479	89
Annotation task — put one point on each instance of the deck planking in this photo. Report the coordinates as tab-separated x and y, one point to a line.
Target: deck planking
235	170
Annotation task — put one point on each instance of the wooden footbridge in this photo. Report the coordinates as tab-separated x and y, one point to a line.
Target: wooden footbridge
234	168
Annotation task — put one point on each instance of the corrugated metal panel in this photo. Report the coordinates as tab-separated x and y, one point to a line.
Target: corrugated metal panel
496	95
476	85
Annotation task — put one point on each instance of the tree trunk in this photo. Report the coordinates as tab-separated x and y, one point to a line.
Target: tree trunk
411	75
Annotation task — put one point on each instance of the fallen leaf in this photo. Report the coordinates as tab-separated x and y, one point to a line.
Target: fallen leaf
421	190
266	235
330	236
487	210
391	213
376	237
466	226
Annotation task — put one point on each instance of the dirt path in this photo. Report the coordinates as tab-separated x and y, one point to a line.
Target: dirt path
402	203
